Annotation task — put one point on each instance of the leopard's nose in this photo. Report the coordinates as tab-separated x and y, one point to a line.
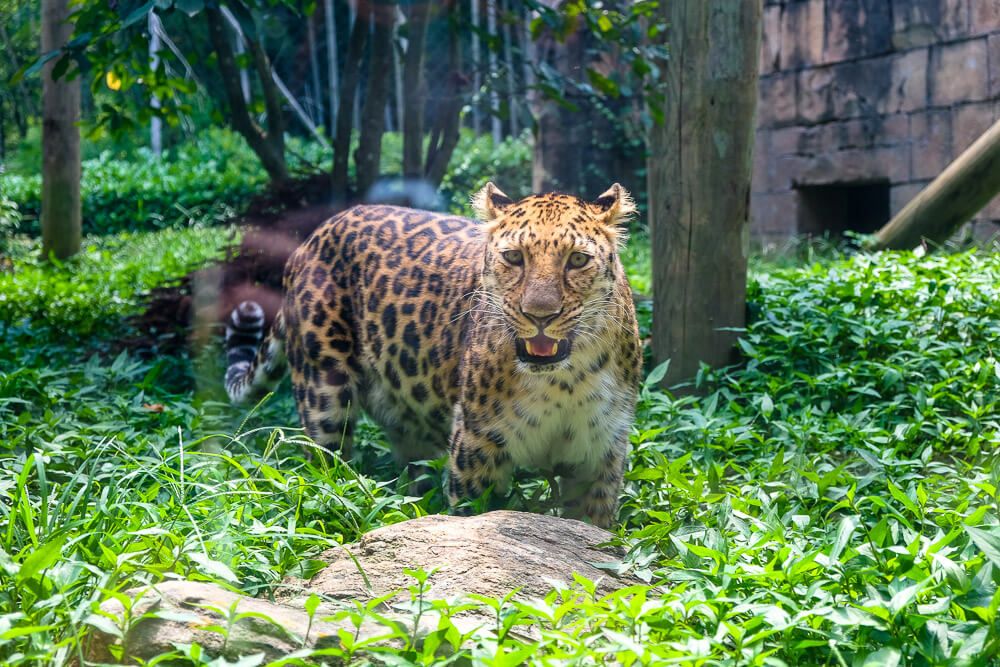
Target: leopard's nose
541	321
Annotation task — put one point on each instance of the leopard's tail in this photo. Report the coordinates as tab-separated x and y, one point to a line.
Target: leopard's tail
255	362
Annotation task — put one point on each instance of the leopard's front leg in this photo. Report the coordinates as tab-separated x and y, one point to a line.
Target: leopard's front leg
477	460
595	495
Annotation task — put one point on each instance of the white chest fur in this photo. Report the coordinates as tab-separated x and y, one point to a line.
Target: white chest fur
562	418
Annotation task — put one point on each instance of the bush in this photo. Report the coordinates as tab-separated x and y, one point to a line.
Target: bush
92	291
831	501
477	160
10	220
212	177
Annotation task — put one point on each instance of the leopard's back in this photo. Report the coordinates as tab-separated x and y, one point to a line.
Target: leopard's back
374	310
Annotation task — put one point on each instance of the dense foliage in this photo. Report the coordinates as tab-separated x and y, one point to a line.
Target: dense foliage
212	176
216	175
832	501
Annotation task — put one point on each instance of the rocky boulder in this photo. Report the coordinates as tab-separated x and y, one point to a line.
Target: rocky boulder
490	555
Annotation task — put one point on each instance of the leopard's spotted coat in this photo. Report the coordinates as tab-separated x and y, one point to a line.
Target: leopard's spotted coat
422	319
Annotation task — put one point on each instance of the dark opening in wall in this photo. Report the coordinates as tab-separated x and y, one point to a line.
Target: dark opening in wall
843	207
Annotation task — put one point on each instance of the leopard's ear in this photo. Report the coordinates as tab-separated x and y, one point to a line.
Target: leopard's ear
616	205
490	202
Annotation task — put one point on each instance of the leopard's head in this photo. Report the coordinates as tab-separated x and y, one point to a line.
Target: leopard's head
551	269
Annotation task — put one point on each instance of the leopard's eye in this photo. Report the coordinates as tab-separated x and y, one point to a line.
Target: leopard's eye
513	257
578	260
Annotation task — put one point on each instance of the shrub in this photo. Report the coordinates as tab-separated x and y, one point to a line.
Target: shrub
831	501
90	292
477	160
211	177
10	220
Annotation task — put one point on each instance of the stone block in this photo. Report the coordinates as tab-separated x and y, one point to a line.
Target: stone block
892	130
867	132
761	159
923	22
985	17
802	33
931	142
901	195
816	93
862	88
777	99
992	210
856	165
770	45
773	213
959	72
796	140
856	29
908	91
785	171
985	233
968	122
993	49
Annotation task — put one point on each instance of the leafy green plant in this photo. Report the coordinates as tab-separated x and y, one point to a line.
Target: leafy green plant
210	178
91	292
833	500
477	160
10	219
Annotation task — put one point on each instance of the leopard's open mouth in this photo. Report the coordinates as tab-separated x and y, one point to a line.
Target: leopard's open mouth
541	349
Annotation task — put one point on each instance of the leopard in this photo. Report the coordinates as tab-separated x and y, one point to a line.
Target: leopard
508	341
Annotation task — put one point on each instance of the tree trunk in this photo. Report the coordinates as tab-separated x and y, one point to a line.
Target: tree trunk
476	74
561	133
348	93
699	182
317	90
369	153
512	98
269	148
272	98
491	28
330	20
447	126
61	215
155	123
414	90
397	73
952	199
23	105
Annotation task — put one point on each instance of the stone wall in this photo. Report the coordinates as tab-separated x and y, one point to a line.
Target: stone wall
883	92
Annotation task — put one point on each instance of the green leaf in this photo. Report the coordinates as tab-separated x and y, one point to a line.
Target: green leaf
138	14
988	541
884	657
847	526
190	7
42	558
657	374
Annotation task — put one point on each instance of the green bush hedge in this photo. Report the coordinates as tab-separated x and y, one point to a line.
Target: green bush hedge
216	175
477	160
213	176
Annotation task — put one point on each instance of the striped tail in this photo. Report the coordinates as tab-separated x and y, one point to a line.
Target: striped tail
255	362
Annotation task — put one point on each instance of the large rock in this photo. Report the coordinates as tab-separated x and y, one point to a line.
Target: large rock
491	555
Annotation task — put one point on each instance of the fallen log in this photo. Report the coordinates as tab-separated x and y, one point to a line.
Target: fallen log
952	199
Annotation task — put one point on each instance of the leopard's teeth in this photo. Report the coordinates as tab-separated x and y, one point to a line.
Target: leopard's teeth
549	350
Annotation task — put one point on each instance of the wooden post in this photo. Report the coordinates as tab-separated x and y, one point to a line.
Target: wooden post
61	216
952	199
699	182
